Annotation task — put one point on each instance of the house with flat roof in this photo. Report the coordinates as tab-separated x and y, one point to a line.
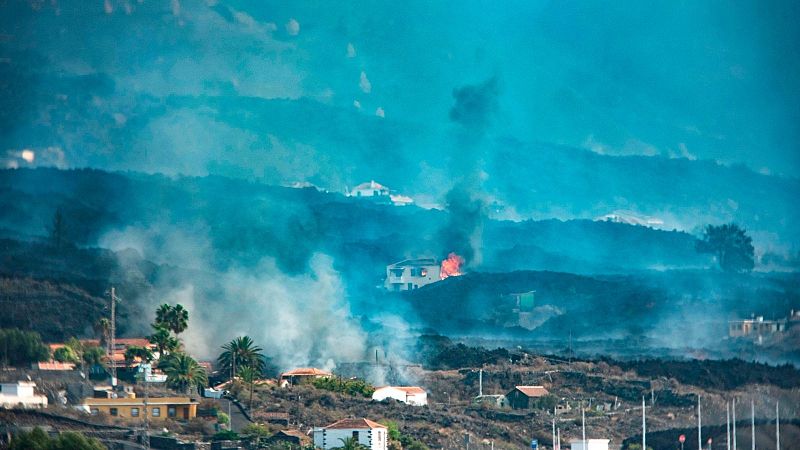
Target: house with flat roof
158	408
21	395
412	274
370	434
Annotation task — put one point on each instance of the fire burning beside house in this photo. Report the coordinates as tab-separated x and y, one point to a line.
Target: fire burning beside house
451	267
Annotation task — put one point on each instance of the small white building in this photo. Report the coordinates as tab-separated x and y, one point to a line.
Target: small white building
368	433
412	274
20	394
371	189
410	395
589	444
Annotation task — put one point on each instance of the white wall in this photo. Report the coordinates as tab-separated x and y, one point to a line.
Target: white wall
15	394
590	444
374	439
432	276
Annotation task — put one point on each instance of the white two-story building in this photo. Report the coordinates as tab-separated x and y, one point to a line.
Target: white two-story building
370	434
412	274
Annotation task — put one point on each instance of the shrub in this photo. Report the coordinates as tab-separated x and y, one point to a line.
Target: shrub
354	387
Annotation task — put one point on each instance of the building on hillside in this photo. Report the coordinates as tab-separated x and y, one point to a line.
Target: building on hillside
159	408
370	434
589	444
524	397
492	400
302	375
371	189
290	437
54	365
401	200
755	327
412	274
21	394
410	395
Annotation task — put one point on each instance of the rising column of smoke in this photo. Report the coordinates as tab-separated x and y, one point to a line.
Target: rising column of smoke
472	113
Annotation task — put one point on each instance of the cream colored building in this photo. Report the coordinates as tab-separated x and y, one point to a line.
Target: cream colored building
176	408
21	394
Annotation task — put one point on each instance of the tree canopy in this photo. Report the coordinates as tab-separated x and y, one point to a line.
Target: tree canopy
241	352
19	348
173	318
183	372
730	245
37	439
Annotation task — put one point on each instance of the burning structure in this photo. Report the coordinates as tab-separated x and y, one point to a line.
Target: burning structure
412	274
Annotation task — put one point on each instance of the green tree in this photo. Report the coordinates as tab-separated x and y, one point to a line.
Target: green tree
94	356
37	439
102	329
65	355
255	429
21	348
351	443
730	245
165	343
249	376
133	352
183	372
173	318
241	352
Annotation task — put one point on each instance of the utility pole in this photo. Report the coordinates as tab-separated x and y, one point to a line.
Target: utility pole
114	300
728	425
733	410
777	427
752	424
480	382
644	427
699	426
583	426
554	429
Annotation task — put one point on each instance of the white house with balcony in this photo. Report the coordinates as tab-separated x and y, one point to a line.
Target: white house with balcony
370	434
20	394
410	395
412	274
370	189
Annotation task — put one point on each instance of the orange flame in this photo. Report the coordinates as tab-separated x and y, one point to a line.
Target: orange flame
451	267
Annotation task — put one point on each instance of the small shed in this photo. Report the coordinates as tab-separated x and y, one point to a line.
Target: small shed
524	397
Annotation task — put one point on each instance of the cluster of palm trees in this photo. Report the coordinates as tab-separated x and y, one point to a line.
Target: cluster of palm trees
183	372
243	358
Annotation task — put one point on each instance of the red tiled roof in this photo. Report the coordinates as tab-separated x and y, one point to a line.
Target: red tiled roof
532	391
354	424
55	366
305	372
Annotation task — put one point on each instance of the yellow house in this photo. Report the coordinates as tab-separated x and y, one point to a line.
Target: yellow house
179	408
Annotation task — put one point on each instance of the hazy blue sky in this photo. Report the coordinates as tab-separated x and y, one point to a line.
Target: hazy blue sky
697	79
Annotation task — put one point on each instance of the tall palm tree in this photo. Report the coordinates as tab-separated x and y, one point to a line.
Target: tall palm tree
183	372
164	342
178	319
102	329
249	376
173	318
241	352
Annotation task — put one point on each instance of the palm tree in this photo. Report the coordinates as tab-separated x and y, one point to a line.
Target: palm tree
249	375
164	342
241	352
183	372
178	319
351	443
102	329
174	318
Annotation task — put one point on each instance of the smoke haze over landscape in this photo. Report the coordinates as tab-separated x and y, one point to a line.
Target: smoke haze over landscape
573	149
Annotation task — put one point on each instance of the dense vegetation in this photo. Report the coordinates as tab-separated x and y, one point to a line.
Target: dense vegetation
21	348
37	439
354	387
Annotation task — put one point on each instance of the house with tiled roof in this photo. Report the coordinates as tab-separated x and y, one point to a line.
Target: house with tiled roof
370	434
526	397
410	395
302	375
